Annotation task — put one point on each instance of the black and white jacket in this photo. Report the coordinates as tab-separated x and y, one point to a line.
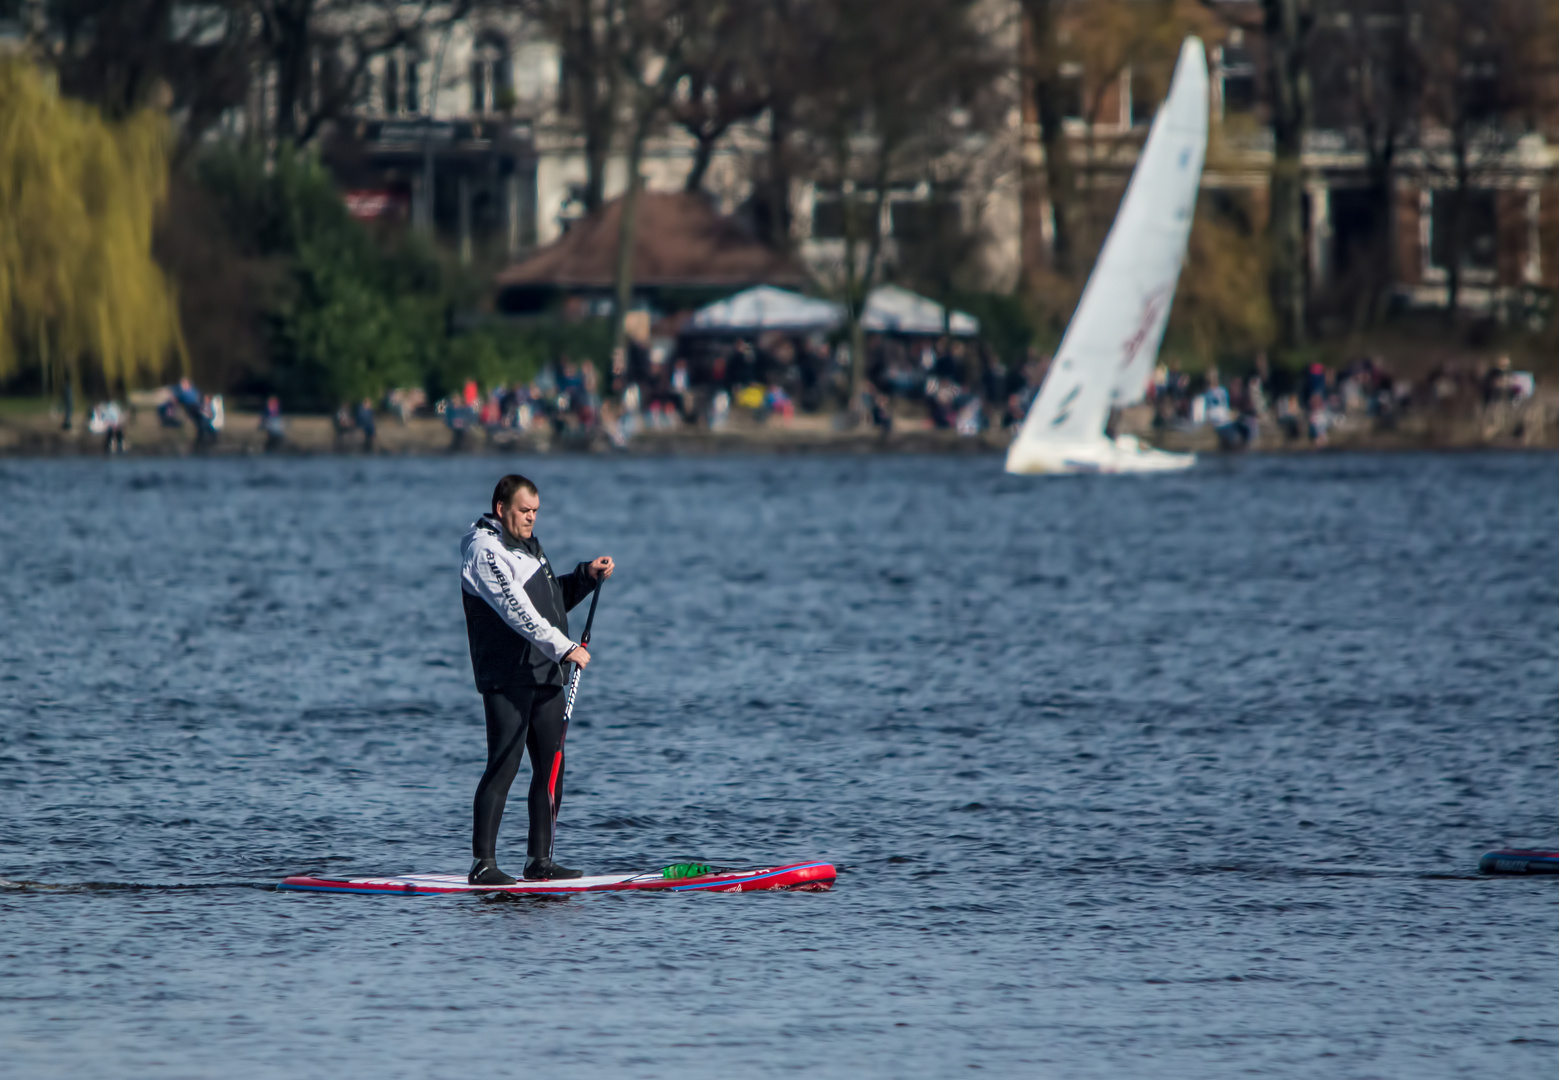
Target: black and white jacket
516	608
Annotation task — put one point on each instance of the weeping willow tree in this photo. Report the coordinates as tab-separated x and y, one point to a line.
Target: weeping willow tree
81	297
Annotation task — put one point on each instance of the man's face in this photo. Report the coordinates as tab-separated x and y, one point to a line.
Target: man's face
519	513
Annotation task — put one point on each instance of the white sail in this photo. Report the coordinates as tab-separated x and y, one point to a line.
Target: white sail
1107	354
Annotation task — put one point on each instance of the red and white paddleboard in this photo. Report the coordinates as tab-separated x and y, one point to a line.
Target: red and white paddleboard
798	877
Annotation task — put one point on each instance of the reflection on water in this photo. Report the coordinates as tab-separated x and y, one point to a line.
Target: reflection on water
1184	776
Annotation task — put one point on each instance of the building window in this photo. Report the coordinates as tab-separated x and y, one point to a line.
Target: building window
1237	74
1480	89
828	216
1069	92
1479	246
1146	96
402	83
392	87
934	221
492	88
326	78
565	85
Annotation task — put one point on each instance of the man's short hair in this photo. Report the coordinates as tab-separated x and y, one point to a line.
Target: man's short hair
508	486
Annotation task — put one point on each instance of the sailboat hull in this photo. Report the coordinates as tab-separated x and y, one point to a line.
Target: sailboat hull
1122	454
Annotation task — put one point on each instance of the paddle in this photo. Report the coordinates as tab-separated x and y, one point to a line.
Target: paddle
568	712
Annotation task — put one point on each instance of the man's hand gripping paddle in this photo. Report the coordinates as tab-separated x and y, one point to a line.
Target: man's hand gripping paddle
568	712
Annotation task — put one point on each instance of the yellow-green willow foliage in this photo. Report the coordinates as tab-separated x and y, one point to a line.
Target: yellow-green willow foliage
79	288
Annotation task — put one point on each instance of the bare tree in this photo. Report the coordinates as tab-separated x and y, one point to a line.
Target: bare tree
122	54
321	52
622	62
202	60
887	98
1114	41
591	39
1485	67
1369	78
723	80
1043	61
1288	26
787	56
655	37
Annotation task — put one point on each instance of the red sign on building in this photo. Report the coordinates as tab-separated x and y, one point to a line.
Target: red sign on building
375	204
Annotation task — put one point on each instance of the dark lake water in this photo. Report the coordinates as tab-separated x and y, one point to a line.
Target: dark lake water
1184	776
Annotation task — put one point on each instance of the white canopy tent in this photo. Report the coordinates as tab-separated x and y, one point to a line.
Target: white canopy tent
767	308
892	310
889	310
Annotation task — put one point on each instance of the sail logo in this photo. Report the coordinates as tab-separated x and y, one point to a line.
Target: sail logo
1151	307
1064	410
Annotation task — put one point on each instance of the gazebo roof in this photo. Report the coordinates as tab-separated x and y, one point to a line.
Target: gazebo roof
679	241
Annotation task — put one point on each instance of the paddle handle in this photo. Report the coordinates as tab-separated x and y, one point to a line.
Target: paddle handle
584	642
595	595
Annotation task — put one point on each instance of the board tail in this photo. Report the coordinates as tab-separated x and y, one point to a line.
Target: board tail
1520	861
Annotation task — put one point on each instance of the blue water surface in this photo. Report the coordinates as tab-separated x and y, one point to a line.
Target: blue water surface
1183	776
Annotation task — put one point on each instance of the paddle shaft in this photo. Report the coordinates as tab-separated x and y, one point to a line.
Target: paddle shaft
568	712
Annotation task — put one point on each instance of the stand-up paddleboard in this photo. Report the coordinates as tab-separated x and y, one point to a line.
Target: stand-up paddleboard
1520	861
798	877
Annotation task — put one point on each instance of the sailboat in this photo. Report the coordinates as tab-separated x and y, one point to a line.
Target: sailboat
1107	353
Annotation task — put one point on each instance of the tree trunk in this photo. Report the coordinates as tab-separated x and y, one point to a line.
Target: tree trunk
290	50
593	76
701	156
857	410
626	231
1370	304
598	144
1380	108
1287	25
1376	296
1458	229
861	284
778	180
854	300
1060	181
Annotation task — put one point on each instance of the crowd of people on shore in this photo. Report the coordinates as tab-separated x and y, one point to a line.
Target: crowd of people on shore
564	397
962	386
946	383
941	383
177	404
1311	404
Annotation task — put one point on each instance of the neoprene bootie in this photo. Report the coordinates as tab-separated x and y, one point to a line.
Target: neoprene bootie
486	872
544	869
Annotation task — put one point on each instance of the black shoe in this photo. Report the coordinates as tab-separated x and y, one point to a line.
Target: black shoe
545	869
486	872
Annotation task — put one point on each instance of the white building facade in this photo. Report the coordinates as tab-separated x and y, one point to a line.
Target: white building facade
467	132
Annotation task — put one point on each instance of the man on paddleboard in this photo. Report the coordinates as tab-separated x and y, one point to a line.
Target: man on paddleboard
517	623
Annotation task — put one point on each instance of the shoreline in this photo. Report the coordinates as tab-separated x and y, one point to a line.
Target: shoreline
39	435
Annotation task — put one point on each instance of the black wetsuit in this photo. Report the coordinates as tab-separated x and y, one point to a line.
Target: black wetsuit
522	681
521	718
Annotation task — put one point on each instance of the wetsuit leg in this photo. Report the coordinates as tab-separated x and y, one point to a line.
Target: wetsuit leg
546	762
508	721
